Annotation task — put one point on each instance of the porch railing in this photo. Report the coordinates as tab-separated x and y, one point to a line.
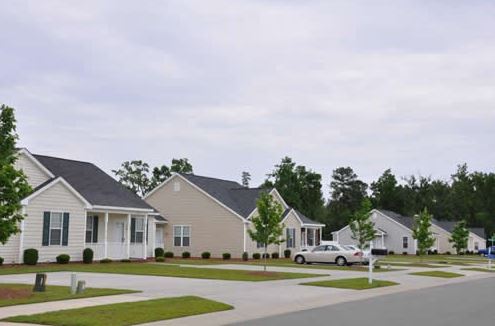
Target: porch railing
116	250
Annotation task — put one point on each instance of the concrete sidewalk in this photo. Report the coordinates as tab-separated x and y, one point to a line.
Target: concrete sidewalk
250	299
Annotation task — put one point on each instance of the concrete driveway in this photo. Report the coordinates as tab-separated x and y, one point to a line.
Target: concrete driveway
250	299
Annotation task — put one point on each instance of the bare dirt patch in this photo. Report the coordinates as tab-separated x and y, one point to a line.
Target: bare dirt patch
10	293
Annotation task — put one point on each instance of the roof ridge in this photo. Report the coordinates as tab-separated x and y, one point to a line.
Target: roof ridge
64	159
203	176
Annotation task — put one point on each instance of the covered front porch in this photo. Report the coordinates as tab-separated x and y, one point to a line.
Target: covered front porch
123	235
310	237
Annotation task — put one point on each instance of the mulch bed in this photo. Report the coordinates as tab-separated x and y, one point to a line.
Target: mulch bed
9	293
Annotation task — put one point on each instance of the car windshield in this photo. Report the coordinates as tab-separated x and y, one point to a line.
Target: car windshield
349	248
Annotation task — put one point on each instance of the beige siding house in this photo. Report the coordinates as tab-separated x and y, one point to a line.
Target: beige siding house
213	215
75	205
395	233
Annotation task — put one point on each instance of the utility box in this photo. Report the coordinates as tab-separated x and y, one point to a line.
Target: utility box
40	283
81	286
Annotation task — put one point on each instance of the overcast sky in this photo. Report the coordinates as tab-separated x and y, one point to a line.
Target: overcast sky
236	85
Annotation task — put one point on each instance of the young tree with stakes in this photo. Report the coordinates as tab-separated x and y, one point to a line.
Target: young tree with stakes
362	227
460	236
267	227
13	183
422	232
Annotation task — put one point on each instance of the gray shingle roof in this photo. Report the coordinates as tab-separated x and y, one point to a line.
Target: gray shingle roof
97	187
446	225
407	221
305	219
241	200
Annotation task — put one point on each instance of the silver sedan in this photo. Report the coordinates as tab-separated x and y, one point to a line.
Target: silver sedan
329	254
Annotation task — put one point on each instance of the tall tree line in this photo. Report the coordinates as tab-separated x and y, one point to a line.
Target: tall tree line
467	195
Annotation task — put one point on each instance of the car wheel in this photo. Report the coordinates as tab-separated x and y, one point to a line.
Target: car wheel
300	260
341	261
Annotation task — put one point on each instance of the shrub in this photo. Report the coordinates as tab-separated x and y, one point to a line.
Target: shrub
205	255
186	254
63	259
391	252
245	256
125	260
404	253
447	252
275	255
1	261
88	256
30	256
106	261
256	255
168	254
159	252
226	256
267	255
287	253
160	259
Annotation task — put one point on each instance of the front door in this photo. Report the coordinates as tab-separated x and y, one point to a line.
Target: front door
119	232
159	243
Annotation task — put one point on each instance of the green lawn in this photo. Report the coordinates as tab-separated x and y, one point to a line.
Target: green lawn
352	283
405	264
281	262
16	294
464	260
441	274
157	269
129	313
479	269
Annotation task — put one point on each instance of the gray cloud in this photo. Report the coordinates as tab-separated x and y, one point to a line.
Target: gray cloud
236	85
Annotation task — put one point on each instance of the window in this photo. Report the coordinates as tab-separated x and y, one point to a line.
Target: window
476	246
139	231
56	229
405	242
320	248
89	228
176	186
333	248
260	245
290	237
311	237
182	236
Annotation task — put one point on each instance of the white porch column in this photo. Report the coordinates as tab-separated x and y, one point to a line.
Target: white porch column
128	240
152	236
21	237
106	236
145	240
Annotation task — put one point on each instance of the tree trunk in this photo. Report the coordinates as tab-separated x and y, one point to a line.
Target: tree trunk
264	257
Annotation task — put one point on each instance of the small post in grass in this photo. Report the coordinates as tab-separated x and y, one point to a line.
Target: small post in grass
370	264
40	283
73	283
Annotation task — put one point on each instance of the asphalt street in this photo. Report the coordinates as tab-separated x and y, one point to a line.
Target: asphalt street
462	304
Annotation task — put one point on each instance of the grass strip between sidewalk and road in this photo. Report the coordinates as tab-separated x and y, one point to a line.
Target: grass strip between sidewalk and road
360	283
479	269
440	274
17	294
158	269
129	313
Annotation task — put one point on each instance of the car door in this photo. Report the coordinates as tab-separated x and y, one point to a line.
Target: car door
317	255
332	253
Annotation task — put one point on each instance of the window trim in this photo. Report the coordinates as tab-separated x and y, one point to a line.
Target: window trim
92	217
136	231
181	236
61	229
292	233
405	244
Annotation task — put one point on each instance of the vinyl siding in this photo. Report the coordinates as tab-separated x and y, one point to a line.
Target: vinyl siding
393	238
475	238
442	243
213	227
57	199
34	174
10	251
